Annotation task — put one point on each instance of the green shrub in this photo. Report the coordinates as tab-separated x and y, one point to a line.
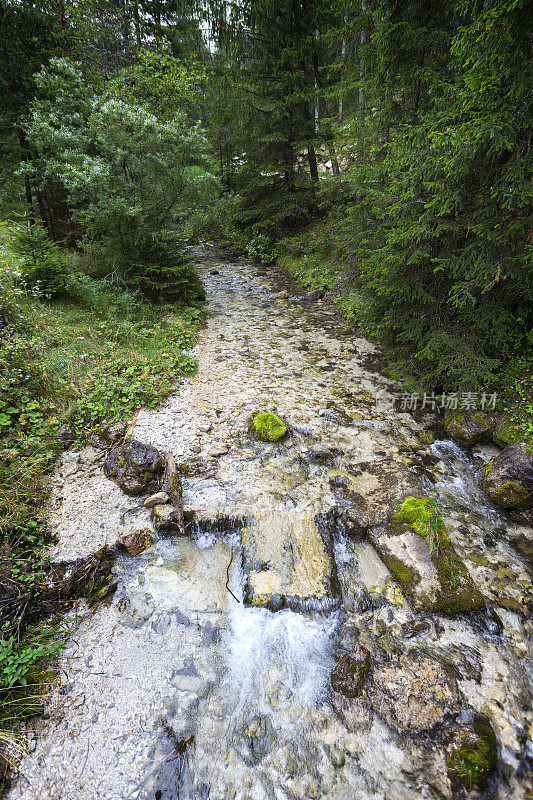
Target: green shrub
261	248
164	271
43	267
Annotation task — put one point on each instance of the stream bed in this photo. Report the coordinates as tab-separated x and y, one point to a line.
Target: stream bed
177	688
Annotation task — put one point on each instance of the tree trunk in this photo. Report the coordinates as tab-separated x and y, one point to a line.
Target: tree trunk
328	135
313	167
363	40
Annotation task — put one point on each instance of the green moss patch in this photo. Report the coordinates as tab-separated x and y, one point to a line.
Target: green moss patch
474	759
457	594
509	494
268	427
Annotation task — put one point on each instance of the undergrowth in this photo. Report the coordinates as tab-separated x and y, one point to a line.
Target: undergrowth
94	355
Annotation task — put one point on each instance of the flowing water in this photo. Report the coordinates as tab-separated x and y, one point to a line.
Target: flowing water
177	688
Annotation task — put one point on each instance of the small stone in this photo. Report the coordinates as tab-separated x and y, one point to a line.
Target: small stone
164	519
108	435
66	436
282	295
159	498
136	542
217	450
68	469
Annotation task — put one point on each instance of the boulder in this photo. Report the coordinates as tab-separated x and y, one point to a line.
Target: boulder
108	435
416	548
267	427
468	428
134	466
508	478
316	295
414	693
66	435
136	542
351	672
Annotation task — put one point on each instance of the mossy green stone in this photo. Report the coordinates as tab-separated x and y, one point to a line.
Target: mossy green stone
508	495
458	594
268	427
476	757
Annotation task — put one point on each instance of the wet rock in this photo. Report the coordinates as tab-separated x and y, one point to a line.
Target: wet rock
416	548
336	415
136	542
134	466
171	485
351	672
157	499
414	627
89	577
367	495
199	467
257	740
427	437
468	428
267	427
164	519
522	516
108	435
66	436
316	295
414	693
522	539
282	295
471	755
326	456
508	478
288	562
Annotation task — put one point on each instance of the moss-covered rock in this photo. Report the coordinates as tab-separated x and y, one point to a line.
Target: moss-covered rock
468	428
508	478
268	427
134	466
351	671
416	548
472	756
